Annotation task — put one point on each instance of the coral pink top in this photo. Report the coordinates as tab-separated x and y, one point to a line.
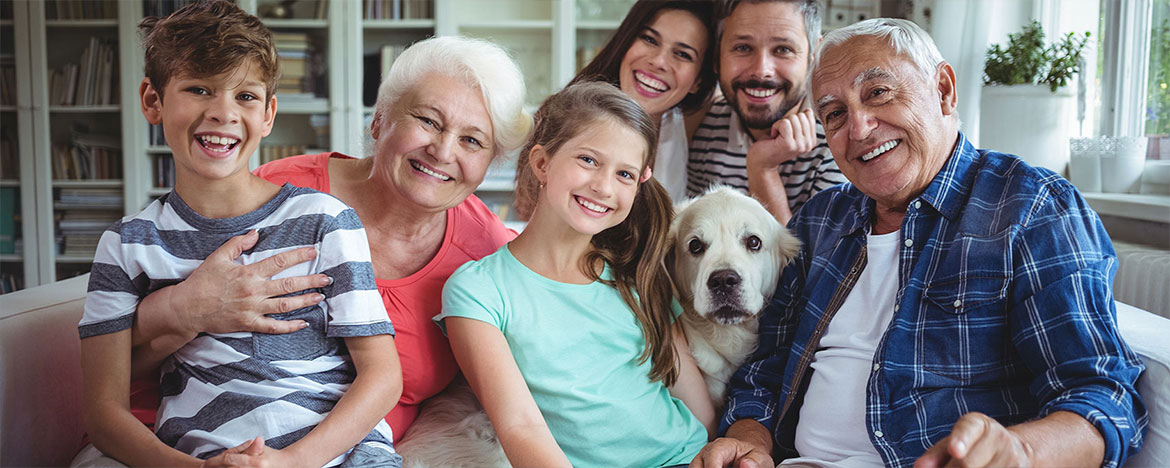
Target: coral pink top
473	232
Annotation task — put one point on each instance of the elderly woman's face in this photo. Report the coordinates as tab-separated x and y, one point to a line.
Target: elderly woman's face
435	144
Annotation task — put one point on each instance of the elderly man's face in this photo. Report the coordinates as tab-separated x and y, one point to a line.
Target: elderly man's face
763	60
889	127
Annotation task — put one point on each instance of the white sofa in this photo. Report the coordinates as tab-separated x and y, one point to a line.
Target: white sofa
40	383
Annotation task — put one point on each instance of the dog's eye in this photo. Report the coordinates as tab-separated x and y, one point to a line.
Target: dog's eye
752	243
696	246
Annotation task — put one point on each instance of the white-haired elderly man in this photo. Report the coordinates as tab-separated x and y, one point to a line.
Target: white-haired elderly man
950	306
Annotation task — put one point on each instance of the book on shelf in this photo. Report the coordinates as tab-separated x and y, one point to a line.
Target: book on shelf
82	9
91	81
9	160
99	198
161	8
269	153
9	201
155	135
164	171
10	282
7	79
397	9
375	68
87	156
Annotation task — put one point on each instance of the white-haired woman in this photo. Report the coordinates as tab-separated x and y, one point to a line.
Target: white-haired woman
447	109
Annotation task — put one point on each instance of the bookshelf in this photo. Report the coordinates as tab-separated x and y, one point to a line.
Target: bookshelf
106	151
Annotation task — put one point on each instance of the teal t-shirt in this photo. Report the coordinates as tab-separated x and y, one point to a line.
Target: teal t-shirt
577	346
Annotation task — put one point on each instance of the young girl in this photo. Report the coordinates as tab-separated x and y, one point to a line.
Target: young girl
661	56
566	334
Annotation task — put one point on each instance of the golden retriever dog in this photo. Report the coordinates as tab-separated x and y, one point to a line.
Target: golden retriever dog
725	262
727	252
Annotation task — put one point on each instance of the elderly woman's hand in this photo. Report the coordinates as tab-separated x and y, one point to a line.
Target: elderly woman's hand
222	296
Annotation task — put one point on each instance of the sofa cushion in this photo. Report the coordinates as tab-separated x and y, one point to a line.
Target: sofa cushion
40	384
1149	336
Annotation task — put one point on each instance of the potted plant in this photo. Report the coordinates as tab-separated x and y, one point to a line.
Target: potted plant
1027	106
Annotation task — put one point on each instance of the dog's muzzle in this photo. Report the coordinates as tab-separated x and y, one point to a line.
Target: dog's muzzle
725	301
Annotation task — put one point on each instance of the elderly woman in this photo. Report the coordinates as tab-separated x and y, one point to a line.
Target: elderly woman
447	109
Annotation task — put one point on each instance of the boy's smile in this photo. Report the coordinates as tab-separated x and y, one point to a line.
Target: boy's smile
212	124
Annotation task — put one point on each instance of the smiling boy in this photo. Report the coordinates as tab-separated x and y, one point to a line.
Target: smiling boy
314	397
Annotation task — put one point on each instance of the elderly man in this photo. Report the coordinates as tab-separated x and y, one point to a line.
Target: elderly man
759	136
951	306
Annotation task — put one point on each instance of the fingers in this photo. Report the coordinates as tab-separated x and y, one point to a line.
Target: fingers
270	266
234	247
719	453
967	431
724	452
994	446
256	447
291	285
975	440
273	326
936	456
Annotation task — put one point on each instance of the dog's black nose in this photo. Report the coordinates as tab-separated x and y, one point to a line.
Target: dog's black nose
723	280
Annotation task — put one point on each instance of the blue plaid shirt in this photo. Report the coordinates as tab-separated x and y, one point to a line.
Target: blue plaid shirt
1004	306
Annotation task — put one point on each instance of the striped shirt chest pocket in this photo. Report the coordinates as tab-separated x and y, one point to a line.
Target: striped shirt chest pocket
304	344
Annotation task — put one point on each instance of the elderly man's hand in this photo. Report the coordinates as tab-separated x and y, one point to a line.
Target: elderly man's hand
728	452
222	296
977	440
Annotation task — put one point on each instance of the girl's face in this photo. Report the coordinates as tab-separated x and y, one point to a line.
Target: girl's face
591	181
662	65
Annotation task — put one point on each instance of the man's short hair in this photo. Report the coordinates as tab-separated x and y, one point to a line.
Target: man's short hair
905	37
205	39
809	9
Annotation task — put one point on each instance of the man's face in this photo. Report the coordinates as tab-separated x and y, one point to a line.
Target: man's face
890	129
763	61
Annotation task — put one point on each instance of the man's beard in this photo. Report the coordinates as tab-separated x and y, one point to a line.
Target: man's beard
756	116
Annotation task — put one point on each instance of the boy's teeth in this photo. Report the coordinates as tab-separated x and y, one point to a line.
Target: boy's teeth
218	140
592	206
759	92
889	145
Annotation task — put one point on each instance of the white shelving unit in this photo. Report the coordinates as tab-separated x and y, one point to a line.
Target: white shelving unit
549	39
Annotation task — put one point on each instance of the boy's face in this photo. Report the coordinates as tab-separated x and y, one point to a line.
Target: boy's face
212	124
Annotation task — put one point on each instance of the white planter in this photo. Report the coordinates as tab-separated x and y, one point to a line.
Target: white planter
1029	121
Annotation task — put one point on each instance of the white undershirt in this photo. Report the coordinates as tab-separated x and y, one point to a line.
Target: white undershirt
670	169
832	419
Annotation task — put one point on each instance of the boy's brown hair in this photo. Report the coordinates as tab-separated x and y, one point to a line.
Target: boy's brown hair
205	39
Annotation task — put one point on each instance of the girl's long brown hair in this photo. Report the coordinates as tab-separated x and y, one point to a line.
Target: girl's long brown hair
636	248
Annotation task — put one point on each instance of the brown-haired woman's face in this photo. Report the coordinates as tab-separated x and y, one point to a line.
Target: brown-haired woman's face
662	65
435	145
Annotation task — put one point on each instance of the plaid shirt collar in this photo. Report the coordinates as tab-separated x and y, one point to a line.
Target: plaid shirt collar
947	192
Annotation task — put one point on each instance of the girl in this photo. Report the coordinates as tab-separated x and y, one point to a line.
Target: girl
662	56
566	334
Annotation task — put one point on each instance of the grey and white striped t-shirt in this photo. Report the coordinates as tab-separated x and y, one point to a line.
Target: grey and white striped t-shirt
718	156
221	390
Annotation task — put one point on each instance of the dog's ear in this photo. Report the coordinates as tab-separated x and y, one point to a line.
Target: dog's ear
788	245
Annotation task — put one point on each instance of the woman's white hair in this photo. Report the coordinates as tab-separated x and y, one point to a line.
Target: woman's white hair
476	62
907	39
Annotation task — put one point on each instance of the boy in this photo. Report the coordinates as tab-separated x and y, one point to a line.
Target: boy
236	398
